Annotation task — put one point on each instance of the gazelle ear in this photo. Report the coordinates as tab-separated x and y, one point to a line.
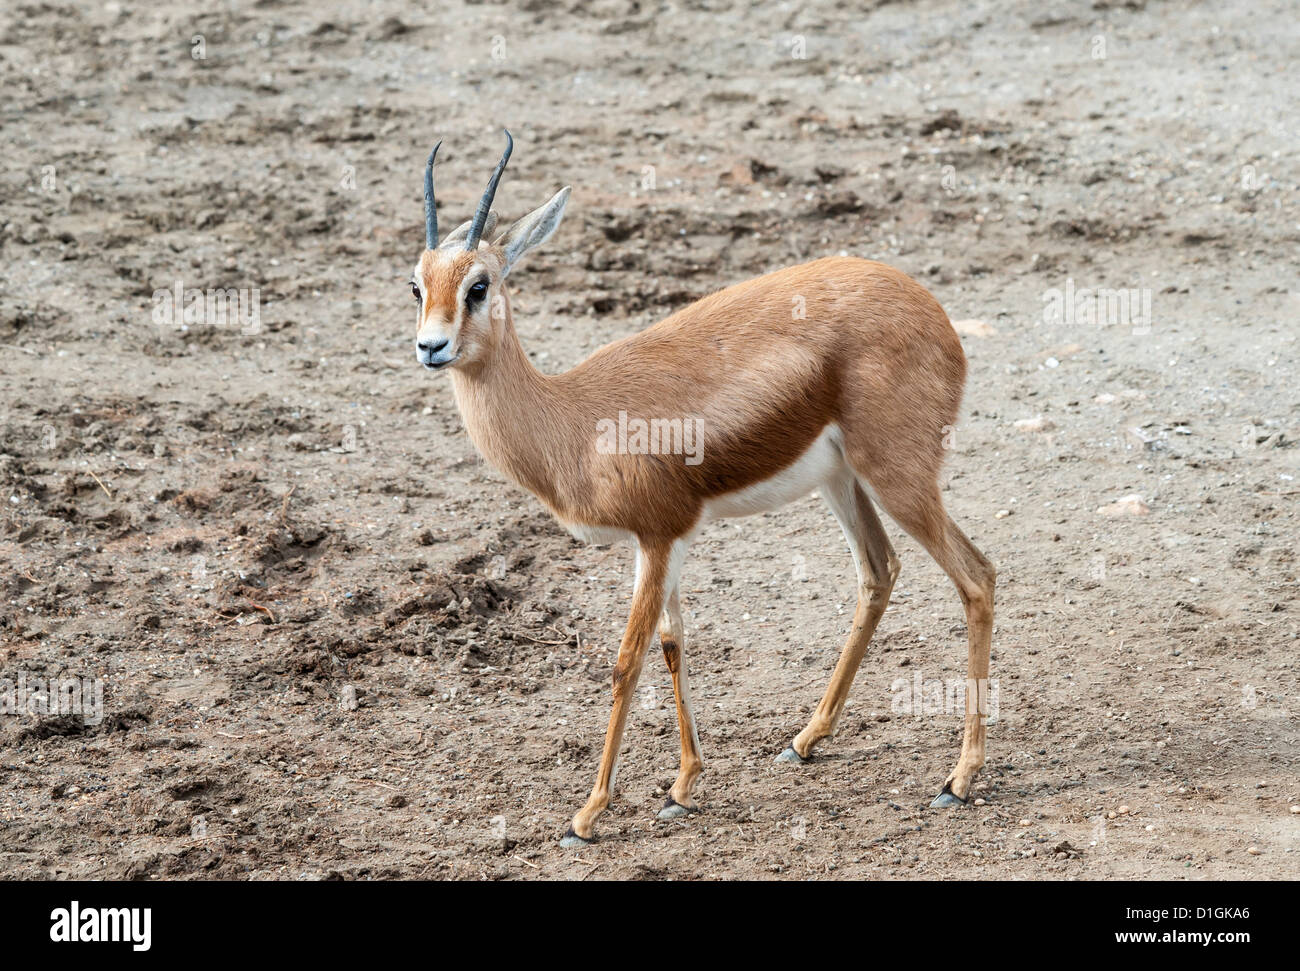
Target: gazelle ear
533	230
458	234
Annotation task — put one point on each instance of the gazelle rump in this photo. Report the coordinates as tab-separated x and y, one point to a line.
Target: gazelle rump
841	375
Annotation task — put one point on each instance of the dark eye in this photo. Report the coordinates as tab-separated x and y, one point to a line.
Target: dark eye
477	292
415	290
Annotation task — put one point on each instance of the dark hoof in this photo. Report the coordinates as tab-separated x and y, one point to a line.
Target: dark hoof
573	841
675	810
790	755
947	800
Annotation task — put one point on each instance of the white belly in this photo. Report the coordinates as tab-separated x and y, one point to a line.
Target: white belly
598	535
817	465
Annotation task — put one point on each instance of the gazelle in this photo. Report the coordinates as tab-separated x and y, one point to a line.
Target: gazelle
841	375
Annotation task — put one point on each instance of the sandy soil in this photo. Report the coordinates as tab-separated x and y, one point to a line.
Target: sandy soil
334	643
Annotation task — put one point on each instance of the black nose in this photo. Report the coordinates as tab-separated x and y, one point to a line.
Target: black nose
431	348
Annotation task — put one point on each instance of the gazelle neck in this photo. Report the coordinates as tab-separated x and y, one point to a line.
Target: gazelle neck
514	415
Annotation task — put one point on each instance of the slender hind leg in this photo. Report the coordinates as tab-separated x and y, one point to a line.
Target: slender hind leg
924	518
877	569
671	636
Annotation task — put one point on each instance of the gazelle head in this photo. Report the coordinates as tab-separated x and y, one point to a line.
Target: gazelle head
458	282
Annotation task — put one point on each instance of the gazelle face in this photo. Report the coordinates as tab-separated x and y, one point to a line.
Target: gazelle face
457	283
457	293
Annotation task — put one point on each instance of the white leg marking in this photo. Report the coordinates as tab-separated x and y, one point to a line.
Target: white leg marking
839	496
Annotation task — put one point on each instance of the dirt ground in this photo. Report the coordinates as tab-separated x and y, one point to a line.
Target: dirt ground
333	642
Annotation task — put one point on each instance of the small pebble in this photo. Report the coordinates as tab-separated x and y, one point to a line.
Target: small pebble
1254	850
1038	423
1026	822
973	328
980	802
1131	505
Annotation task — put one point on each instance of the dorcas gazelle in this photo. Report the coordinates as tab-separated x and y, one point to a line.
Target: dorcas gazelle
841	375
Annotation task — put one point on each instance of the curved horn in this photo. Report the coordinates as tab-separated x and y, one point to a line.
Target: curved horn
430	206
485	204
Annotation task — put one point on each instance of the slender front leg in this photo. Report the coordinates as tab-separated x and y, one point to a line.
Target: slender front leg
672	637
653	566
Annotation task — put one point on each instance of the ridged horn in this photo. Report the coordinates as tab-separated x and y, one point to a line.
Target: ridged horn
430	205
485	204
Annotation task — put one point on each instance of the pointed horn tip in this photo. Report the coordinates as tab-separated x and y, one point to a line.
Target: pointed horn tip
510	147
434	152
